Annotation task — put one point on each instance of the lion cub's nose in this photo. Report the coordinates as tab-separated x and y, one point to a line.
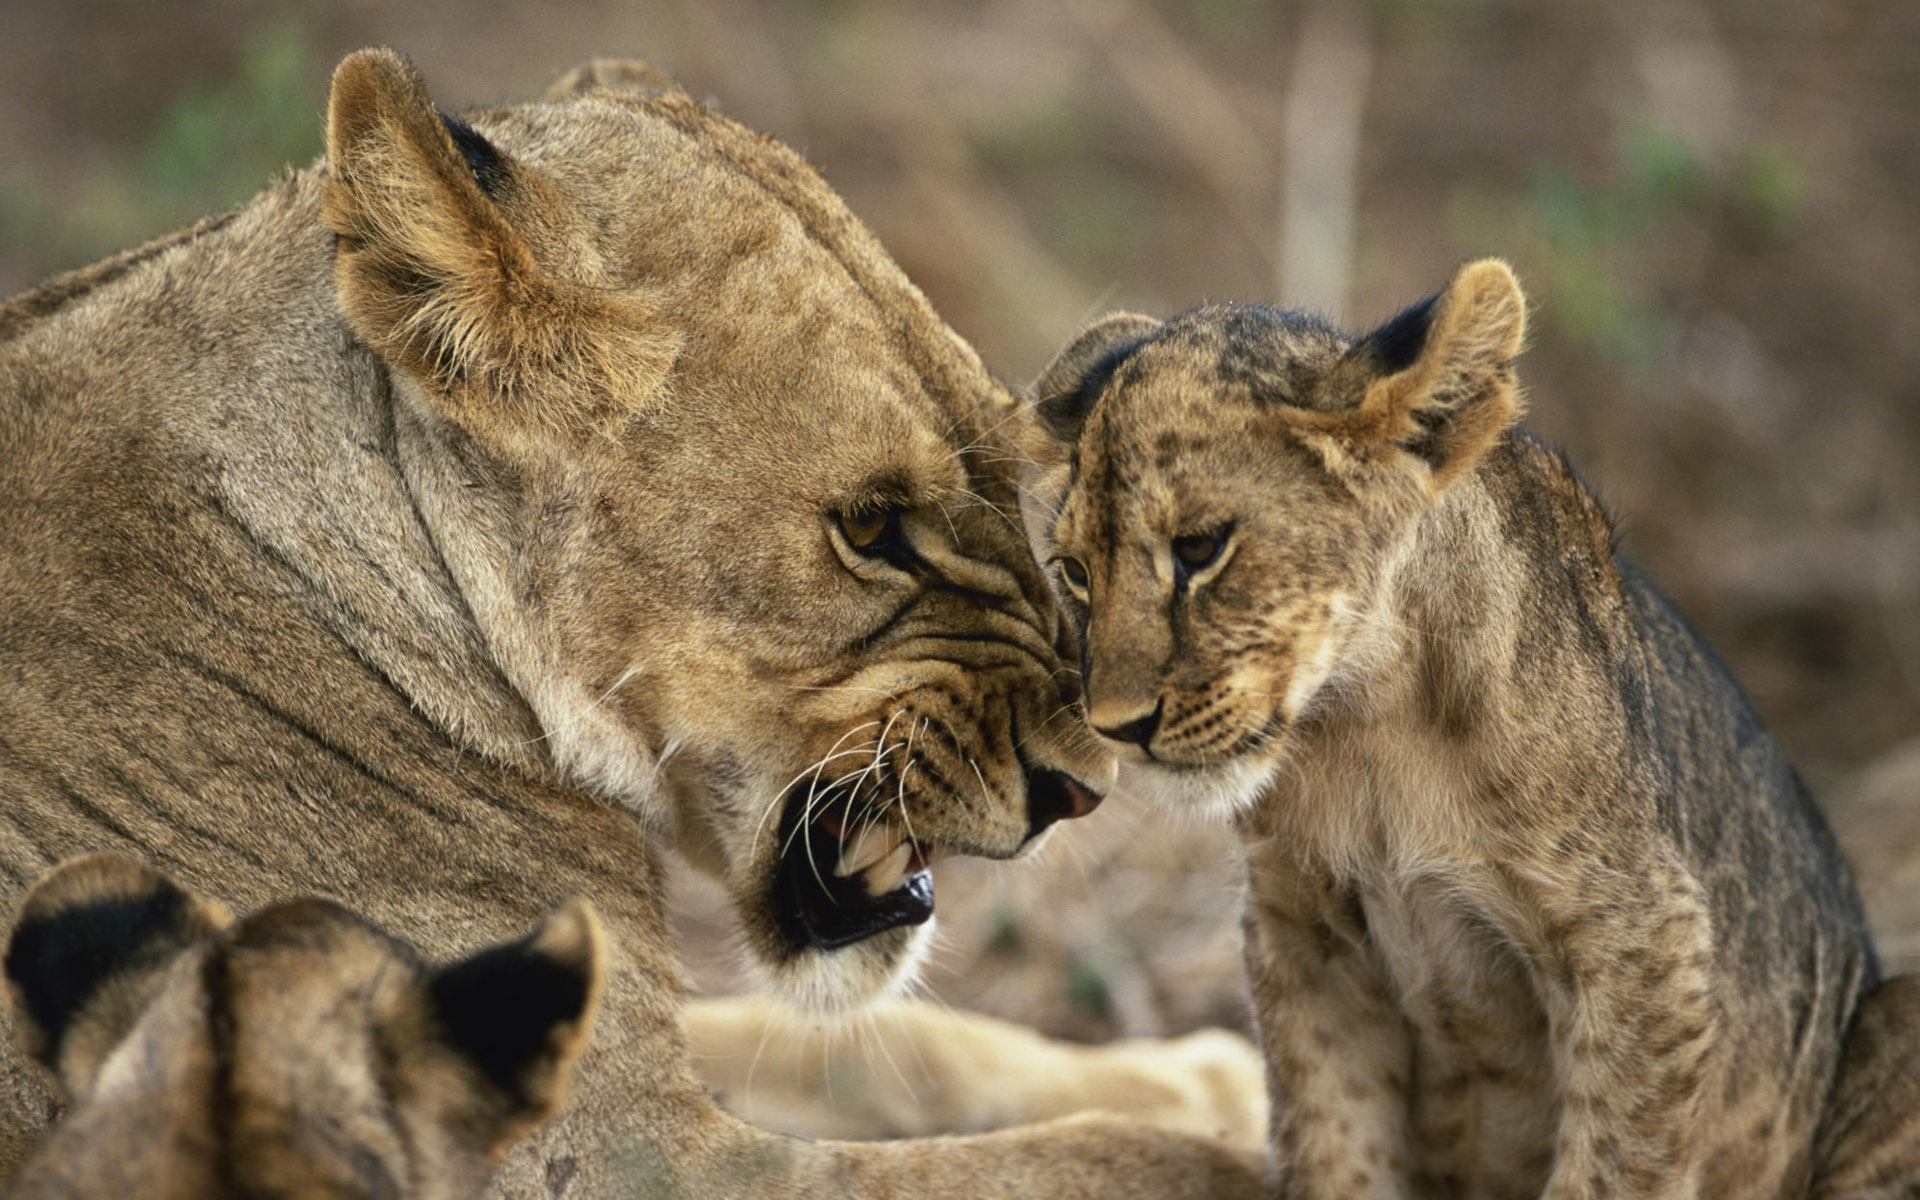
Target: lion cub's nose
1056	796
1138	730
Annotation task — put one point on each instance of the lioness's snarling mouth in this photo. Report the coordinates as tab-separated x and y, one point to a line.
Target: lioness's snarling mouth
846	871
845	876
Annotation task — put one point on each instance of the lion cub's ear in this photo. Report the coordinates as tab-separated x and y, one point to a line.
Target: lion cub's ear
1066	390
86	953
626	75
432	274
1444	388
521	1012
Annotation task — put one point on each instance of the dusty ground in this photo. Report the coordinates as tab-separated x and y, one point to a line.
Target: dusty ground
1712	204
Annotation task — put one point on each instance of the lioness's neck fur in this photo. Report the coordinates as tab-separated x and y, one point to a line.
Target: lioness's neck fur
1537	906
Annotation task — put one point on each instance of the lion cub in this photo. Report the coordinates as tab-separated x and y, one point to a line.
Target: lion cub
298	1052
1537	906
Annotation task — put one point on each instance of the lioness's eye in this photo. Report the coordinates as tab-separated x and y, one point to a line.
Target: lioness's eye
870	532
1075	571
1196	550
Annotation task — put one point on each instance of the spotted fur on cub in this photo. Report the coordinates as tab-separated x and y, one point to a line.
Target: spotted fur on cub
1538	908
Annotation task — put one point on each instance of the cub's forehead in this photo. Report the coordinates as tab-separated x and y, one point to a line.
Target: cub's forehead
1227	354
1209	377
1197	413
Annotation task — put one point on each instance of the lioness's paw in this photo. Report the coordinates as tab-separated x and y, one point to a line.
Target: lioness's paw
914	1069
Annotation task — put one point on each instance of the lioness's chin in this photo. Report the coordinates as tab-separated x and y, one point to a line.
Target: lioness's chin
840	982
1215	792
840	913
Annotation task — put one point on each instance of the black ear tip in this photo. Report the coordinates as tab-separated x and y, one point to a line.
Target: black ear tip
522	1007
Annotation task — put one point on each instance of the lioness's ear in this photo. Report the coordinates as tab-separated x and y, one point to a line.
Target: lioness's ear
626	75
1066	390
86	952
1444	388
521	1012
434	277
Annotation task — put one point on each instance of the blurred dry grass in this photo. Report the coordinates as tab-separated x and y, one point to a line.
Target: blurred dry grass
1711	201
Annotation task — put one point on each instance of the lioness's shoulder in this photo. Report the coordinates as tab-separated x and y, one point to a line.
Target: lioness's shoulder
297	1048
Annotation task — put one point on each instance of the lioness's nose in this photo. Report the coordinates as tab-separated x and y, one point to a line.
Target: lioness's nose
1055	796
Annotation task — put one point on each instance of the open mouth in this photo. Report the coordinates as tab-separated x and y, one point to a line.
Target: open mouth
843	878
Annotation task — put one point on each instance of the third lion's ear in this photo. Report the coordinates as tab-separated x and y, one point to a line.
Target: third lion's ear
86	953
1443	386
434	277
521	1012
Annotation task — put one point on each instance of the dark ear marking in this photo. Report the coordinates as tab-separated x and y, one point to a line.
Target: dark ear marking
93	920
500	1006
489	166
518	1011
1397	344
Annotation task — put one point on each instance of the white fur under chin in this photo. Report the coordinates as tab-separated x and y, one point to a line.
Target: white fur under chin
1213	794
592	747
841	984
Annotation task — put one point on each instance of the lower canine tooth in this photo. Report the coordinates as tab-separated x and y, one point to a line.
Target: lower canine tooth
885	875
871	844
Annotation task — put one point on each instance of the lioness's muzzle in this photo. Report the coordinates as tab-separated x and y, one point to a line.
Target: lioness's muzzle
847	871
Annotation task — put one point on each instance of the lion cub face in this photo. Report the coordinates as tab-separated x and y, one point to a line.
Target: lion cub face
299	1052
1234	488
732	507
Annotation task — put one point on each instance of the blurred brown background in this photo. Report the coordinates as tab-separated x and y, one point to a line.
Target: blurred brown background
1715	205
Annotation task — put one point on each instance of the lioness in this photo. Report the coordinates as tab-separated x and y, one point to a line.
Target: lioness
469	518
300	1052
1537	906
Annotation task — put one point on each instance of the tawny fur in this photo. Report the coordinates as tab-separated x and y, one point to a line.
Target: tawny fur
456	527
1537	906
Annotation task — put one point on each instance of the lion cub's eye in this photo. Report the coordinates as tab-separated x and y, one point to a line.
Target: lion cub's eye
1194	551
871	532
1076	573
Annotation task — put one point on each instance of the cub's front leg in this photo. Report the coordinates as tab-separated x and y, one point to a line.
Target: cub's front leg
1338	1056
1623	961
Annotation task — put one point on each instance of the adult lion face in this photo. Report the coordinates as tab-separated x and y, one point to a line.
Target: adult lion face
733	509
